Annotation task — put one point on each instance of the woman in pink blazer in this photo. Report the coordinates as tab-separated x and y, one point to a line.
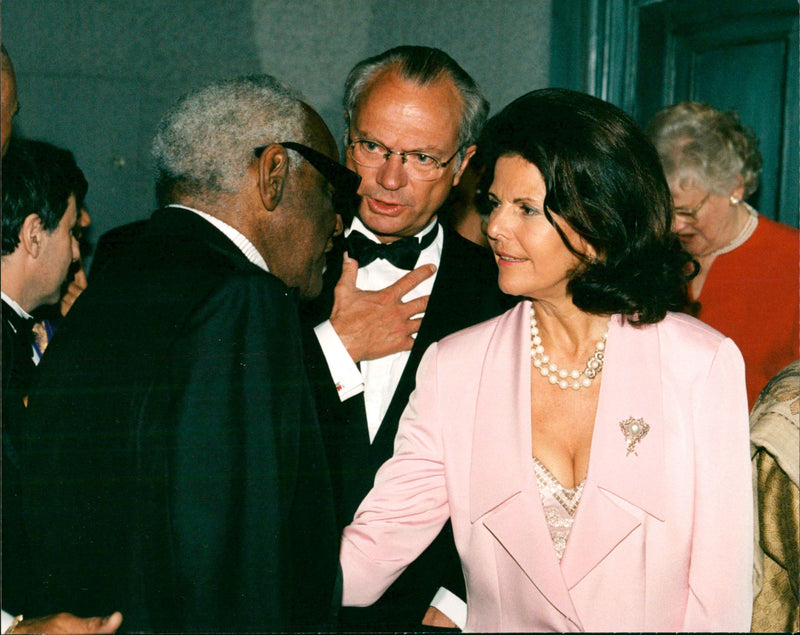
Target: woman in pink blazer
590	446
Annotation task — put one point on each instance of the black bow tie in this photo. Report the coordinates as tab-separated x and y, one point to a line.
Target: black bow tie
402	253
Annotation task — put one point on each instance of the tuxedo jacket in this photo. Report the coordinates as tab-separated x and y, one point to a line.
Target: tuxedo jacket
464	293
17	373
174	468
113	245
662	538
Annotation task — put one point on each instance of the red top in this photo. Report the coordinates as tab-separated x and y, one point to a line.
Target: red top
752	295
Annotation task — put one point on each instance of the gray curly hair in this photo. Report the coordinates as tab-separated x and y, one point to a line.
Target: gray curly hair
705	147
205	142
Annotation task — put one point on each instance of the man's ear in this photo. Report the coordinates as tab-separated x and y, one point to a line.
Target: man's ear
31	235
273	170
467	156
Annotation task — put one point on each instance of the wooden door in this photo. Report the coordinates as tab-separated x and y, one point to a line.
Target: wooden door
733	54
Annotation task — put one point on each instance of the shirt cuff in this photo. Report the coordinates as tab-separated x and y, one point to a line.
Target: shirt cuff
452	606
344	371
7	621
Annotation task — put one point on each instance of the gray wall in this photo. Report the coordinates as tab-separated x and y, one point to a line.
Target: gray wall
95	76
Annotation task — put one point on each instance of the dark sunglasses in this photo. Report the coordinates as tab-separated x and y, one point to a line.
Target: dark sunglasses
344	181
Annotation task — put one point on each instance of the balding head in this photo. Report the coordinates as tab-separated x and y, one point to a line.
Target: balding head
8	92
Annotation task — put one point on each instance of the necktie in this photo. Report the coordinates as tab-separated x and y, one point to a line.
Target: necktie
42	332
402	253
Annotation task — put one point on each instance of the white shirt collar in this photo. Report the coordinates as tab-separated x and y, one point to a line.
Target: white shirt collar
17	308
236	237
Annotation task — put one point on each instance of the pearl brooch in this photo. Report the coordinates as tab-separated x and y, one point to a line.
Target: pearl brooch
575	379
634	430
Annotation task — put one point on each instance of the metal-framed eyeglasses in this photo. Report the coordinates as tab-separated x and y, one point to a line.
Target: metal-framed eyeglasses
418	165
689	215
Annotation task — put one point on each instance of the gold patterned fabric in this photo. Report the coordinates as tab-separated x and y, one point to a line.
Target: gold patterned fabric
775	449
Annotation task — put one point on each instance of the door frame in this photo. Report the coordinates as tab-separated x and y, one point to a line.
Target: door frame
613	29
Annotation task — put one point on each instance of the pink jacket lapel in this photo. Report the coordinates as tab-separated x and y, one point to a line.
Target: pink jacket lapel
631	388
501	437
503	492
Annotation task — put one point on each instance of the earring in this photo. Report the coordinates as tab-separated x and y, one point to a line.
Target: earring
735	200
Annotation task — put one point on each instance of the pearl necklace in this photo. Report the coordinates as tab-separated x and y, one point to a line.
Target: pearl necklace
564	379
742	236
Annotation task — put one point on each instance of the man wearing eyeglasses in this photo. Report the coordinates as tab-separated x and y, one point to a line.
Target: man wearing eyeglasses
413	115
177	467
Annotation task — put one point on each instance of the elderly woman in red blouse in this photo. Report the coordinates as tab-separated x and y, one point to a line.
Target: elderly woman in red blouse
747	286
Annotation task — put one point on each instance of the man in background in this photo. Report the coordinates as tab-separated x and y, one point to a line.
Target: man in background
413	115
17	372
174	445
40	187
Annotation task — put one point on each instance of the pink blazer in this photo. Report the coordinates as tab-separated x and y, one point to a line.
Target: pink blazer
662	539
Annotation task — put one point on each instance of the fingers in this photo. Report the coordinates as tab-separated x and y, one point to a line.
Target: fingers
108	624
373	324
75	288
80	279
434	617
412	279
415	306
68	623
349	271
68	299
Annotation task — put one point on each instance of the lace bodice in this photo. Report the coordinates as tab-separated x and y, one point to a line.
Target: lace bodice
559	503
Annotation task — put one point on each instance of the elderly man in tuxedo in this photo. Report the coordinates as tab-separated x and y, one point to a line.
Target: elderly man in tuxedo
174	445
413	115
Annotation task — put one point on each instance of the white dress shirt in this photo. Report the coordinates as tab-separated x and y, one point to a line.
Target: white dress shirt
377	378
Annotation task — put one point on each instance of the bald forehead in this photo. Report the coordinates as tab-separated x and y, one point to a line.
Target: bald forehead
394	109
441	89
394	75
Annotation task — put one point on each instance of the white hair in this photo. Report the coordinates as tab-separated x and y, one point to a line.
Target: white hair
205	142
704	147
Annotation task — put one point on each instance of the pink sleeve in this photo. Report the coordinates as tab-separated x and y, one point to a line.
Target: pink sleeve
407	506
721	568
